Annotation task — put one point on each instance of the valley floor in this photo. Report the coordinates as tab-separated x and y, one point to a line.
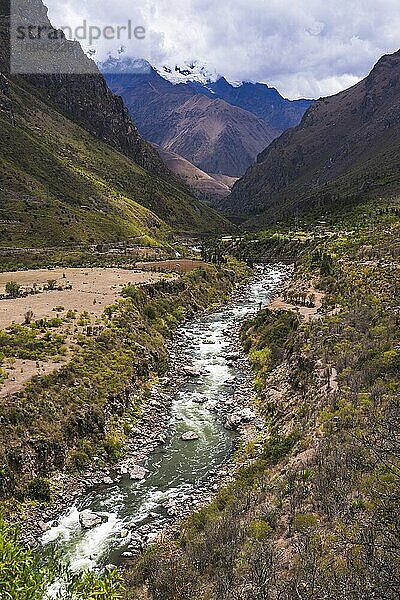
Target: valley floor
71	299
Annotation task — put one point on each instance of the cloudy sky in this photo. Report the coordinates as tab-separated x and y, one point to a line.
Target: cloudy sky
305	48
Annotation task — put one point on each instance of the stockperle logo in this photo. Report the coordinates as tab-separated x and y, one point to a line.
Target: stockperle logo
38	47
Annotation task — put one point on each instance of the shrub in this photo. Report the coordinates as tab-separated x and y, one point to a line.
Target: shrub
304	522
260	359
28	317
39	489
13	289
260	530
279	446
51	284
113	445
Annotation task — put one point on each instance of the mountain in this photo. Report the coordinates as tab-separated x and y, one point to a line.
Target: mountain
61	185
207	187
74	169
212	134
346	148
257	98
85	97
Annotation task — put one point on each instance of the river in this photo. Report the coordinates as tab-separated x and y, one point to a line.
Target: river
179	471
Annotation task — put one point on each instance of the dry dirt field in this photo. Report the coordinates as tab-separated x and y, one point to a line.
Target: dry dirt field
92	290
22	371
175	266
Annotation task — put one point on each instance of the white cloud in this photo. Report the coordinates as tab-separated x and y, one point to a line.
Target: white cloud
305	48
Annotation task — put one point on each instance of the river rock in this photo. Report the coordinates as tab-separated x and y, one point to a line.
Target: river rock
137	473
199	399
232	422
135	541
247	415
189	436
124	533
44	526
233	357
192	372
89	520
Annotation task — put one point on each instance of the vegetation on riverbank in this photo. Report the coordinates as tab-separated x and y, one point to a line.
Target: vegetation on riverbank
23	577
312	513
87	408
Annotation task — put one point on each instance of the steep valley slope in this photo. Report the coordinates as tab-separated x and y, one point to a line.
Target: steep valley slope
345	149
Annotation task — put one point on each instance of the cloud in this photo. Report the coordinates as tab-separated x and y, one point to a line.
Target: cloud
305	48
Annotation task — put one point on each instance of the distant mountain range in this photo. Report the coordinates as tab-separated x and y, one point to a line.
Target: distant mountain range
345	149
216	126
258	98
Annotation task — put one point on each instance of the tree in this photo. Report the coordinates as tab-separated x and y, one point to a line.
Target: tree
51	284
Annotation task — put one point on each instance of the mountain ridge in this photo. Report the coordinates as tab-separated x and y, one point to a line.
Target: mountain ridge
74	168
346	146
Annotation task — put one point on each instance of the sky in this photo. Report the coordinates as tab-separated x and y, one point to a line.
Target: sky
304	48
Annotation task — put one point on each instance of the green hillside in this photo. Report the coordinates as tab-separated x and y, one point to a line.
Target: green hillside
61	186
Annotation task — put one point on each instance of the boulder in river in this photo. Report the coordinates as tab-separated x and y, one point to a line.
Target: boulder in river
192	372
198	399
89	520
232	357
232	422
124	533
189	436
44	526
137	473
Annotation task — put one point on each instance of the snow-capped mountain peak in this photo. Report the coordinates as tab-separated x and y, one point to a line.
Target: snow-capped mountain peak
187	71
133	66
